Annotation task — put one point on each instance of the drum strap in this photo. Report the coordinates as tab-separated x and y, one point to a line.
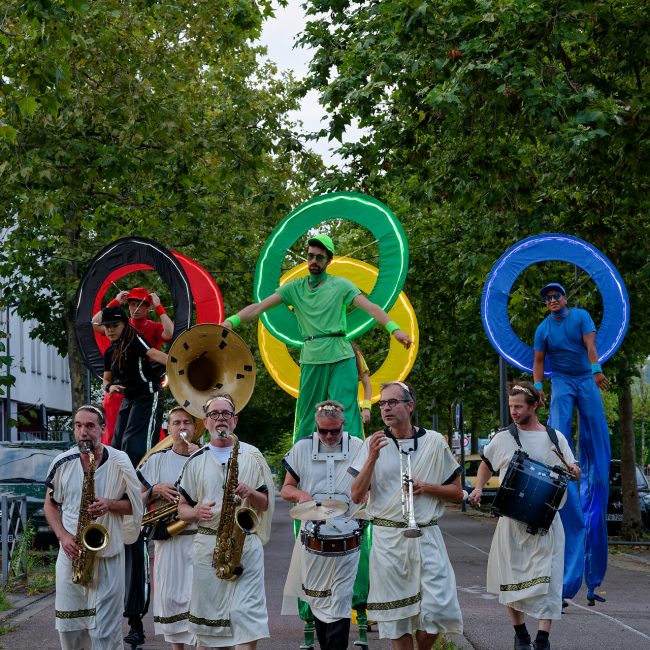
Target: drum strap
552	434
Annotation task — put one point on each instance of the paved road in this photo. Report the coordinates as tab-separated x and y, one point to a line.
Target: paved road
622	622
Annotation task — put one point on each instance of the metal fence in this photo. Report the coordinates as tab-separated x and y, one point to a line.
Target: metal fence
13	513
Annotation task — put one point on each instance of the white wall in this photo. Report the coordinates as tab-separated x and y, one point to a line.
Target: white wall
42	375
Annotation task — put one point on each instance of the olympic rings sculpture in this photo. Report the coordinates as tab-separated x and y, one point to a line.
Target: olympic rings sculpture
549	247
398	363
359	208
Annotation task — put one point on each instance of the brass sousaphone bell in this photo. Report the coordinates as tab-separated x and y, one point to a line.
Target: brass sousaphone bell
206	359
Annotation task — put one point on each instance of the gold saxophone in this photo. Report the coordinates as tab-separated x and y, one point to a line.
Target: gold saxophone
91	537
234	523
166	512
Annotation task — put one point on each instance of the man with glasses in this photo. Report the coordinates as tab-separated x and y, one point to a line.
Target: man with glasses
317	469
327	364
567	339
412	584
226	613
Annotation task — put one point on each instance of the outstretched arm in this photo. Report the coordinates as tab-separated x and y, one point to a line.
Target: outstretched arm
165	320
381	317
255	309
538	371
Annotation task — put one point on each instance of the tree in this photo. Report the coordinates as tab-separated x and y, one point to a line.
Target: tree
487	122
137	118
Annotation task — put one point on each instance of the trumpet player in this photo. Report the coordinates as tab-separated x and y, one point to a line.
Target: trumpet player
227	611
407	473
173	553
91	482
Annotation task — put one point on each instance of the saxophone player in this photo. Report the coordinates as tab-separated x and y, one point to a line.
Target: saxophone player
172	575
227	611
91	482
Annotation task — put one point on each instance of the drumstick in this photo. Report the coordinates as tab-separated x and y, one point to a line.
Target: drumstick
555	450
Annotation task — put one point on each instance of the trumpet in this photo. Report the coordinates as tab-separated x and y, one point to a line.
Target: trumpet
408	510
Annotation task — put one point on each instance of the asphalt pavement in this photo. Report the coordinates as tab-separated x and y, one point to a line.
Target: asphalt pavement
621	622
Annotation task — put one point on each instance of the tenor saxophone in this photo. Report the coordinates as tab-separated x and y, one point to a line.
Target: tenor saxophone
91	537
234	523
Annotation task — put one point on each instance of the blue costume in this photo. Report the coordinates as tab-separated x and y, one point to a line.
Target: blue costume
561	339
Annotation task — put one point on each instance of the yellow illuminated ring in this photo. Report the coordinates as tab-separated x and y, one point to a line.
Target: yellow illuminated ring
397	364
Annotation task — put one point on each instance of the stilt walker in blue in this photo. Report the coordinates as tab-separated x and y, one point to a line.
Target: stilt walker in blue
567	339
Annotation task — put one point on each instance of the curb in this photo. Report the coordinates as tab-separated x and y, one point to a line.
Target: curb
22	605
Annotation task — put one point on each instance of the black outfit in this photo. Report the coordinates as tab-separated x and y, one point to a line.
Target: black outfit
333	636
138	422
136	430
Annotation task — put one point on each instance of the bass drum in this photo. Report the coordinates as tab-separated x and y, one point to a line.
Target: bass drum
531	493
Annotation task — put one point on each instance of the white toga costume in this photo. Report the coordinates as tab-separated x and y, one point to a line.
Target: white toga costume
227	612
325	583
526	570
172	569
93	614
412	583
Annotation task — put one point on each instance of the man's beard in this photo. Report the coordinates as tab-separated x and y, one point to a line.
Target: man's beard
525	420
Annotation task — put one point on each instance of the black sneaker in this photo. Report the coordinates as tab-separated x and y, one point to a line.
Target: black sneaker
542	645
522	644
134	637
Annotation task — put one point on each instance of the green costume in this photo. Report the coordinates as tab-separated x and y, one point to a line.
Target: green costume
327	366
328	371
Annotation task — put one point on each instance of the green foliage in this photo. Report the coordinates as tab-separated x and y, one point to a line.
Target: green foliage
153	119
487	122
6	379
5	603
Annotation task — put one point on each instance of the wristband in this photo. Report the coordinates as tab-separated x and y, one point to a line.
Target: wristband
538	385
114	303
234	320
595	367
107	388
391	326
366	404
160	310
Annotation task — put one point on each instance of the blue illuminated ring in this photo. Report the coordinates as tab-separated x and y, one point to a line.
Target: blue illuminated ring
552	247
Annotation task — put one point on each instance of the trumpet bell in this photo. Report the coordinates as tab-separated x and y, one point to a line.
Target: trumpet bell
209	358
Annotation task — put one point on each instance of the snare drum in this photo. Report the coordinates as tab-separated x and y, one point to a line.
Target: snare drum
531	493
336	537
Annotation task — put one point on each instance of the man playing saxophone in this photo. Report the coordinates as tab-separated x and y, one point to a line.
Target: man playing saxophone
408	473
230	610
172	570
89	598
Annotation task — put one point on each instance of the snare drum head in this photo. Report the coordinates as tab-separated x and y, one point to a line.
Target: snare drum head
332	529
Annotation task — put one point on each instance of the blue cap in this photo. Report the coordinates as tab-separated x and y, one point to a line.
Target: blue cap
553	285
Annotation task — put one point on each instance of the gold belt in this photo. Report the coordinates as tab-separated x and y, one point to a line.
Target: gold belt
206	531
377	521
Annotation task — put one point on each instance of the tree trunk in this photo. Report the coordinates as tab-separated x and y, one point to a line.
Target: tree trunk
630	494
474	426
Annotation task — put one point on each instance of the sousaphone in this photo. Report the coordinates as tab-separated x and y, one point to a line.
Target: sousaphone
203	360
206	359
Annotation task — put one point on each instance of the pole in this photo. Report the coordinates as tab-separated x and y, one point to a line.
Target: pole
461	434
503	392
6	431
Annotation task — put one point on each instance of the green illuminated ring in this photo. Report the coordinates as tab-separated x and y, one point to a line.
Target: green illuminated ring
359	208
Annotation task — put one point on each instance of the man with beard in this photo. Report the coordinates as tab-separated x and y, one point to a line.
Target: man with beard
89	615
525	570
328	369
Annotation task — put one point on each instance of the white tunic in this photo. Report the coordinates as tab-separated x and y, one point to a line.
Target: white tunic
325	583
526	570
227	612
95	611
172	569
412	583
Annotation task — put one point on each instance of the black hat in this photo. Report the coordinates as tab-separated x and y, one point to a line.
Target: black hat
112	315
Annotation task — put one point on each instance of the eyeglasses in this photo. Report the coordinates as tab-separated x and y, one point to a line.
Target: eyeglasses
552	296
318	257
220	415
331	432
392	403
